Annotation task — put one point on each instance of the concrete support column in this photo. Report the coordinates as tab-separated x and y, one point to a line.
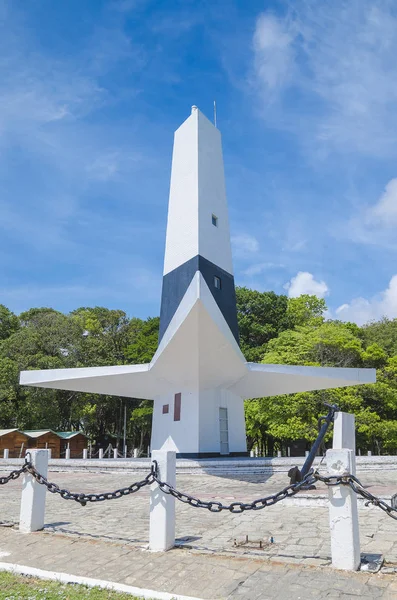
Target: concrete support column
6	453
34	494
162	506
343	514
345	536
345	434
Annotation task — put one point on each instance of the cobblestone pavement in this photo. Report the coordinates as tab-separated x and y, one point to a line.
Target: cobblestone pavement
119	528
180	571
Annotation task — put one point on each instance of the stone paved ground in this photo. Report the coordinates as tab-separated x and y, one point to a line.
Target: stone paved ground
88	540
179	571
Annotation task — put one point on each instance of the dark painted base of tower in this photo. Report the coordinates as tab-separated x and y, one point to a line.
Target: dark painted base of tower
196	455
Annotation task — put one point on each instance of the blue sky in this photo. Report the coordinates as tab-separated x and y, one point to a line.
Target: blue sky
91	92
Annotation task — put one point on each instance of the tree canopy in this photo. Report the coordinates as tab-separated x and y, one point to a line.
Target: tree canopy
274	329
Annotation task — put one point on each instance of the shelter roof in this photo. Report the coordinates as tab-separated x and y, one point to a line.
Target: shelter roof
38	432
6	431
67	435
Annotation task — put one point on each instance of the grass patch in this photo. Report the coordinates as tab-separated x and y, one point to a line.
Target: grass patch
19	587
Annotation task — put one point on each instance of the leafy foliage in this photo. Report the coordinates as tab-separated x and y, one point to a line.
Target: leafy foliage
273	329
279	420
43	338
261	317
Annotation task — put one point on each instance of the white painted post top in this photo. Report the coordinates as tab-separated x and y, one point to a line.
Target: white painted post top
339	462
345	435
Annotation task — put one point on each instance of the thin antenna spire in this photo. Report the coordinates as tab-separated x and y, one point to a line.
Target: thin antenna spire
215	113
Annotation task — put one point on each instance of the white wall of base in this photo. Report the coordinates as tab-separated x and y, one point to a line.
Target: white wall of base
209	432
198	431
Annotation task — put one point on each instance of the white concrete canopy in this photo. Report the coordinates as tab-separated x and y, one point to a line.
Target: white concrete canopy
198	369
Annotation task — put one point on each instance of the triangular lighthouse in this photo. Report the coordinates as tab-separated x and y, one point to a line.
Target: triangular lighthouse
198	377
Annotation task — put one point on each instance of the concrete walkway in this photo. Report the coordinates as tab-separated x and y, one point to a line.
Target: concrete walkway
206	576
108	540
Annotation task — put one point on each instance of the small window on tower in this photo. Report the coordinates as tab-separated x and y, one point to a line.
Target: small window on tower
217	282
215	220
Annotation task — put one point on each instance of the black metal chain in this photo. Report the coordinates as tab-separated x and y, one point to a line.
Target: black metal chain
236	507
288	492
14	474
213	506
357	487
81	498
84	498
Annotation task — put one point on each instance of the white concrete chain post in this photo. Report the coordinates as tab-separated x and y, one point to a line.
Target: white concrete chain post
67	452
343	512
6	453
100	454
115	453
34	494
85	454
162	506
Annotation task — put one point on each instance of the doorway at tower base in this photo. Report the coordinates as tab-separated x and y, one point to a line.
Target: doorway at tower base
200	424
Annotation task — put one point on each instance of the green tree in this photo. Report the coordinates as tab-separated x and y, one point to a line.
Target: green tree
306	310
144	337
383	333
9	323
261	316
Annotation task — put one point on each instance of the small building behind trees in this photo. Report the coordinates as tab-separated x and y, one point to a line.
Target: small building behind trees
13	440
45	438
76	440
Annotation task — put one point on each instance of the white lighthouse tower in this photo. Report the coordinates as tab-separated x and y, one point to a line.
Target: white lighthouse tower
199	351
198	377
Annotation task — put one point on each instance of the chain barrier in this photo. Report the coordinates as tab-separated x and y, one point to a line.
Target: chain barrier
357	487
14	474
236	507
81	498
212	505
310	479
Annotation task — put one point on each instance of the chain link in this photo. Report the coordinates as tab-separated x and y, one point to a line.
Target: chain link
212	505
357	487
81	498
14	474
235	507
310	479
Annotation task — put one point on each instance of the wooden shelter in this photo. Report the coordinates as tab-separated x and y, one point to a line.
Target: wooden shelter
45	438
13	440
77	441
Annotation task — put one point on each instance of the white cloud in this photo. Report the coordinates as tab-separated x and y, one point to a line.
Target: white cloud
260	268
304	283
244	245
361	310
375	224
385	210
274	59
337	58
